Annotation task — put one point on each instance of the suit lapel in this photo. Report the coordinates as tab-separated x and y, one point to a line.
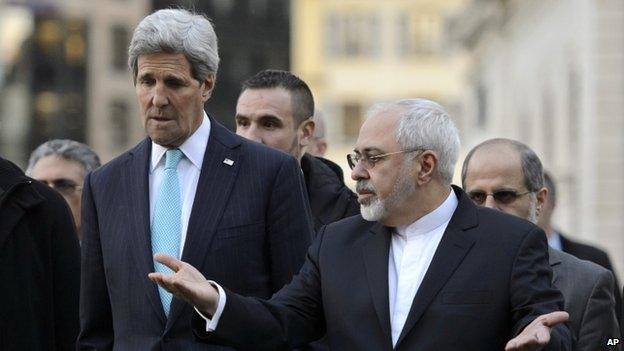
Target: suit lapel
213	189
375	254
450	253
137	186
554	259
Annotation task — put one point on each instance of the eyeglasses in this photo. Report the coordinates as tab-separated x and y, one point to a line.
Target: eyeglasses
503	197
369	162
63	186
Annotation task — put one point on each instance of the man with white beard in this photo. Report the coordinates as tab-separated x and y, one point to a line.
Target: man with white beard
507	175
422	268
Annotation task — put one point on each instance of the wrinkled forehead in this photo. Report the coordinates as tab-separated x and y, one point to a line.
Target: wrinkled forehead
379	131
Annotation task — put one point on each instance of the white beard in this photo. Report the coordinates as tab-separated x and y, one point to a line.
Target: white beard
377	209
374	211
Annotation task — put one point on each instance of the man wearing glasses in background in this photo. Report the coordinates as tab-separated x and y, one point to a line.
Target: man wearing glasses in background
63	164
422	267
507	176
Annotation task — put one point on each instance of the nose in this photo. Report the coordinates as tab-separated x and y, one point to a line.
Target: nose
490	202
358	172
160	98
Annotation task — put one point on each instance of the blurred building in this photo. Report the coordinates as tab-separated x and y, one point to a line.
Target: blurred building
64	75
357	52
551	73
253	35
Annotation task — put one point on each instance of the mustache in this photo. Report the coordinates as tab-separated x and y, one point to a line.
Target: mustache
153	112
364	185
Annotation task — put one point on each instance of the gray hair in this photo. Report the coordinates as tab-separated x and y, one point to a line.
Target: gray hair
66	149
319	124
532	169
549	183
177	31
424	123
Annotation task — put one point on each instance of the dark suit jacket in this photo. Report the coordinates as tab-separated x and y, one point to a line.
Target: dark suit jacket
248	229
587	290
593	254
330	199
488	279
39	266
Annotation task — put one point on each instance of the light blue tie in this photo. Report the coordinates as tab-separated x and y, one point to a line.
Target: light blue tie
167	225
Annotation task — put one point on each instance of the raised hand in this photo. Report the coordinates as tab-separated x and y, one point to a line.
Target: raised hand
536	335
186	283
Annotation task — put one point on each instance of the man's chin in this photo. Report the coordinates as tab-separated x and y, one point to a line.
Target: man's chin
373	212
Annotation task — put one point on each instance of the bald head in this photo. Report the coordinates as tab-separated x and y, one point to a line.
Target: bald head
511	171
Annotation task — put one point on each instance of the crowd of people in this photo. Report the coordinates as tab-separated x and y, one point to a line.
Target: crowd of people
200	238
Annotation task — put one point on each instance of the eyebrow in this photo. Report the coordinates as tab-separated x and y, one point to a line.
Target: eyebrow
368	150
271	118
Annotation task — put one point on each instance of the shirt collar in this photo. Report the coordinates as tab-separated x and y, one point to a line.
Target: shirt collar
554	241
193	148
432	220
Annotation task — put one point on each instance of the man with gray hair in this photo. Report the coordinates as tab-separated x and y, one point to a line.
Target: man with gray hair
422	267
507	175
63	164
193	189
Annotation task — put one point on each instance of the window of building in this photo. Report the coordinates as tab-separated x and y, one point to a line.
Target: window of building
353	35
548	123
120	39
482	101
351	120
118	121
418	34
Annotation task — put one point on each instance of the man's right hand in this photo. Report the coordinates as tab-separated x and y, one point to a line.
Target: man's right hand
536	335
186	283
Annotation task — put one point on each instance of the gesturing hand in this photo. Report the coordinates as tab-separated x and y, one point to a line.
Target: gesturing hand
536	335
186	283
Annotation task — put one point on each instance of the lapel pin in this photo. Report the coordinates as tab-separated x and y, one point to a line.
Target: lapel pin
228	162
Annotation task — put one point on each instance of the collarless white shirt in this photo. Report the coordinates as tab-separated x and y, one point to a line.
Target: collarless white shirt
189	169
411	251
554	241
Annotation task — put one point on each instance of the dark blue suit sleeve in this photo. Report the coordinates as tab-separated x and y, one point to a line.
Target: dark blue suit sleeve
292	318
96	324
289	227
532	293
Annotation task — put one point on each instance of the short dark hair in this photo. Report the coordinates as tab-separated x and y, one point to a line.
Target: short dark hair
532	169
300	94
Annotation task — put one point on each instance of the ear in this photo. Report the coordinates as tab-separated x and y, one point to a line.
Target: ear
541	197
208	87
428	166
321	147
305	132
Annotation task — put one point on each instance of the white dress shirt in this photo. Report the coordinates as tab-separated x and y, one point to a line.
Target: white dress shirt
411	251
554	241
189	169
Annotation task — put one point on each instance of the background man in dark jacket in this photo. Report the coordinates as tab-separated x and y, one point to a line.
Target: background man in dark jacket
39	265
558	241
275	108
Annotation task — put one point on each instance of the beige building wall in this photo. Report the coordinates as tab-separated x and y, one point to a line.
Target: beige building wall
551	74
353	53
